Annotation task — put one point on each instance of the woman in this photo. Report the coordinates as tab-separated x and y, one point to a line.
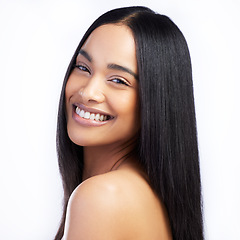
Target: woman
126	137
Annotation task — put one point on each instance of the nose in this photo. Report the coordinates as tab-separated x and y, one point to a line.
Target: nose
92	92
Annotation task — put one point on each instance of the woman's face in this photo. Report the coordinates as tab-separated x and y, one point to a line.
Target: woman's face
102	90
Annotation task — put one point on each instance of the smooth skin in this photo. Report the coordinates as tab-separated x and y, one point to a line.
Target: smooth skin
114	201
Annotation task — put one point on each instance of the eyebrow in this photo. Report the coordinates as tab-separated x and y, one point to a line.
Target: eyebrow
121	68
109	66
85	54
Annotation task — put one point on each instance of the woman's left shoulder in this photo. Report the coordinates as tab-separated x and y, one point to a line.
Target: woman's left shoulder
96	209
104	202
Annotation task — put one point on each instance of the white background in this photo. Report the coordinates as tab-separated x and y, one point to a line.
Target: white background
37	40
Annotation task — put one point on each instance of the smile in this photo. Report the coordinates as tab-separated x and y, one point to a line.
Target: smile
92	116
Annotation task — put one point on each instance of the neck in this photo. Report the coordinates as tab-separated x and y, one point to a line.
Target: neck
103	159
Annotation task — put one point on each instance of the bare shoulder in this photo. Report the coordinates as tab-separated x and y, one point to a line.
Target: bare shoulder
115	205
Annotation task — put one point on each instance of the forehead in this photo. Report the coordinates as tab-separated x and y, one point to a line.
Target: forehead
111	43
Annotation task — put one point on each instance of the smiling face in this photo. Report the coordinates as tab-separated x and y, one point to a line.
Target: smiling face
102	90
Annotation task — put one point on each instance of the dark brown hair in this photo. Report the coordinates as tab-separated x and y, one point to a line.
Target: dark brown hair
167	146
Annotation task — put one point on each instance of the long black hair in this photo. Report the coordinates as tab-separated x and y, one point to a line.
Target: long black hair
167	147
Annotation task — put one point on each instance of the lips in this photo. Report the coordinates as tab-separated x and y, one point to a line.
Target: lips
93	114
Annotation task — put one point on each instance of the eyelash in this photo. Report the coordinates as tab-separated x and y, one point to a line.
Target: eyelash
119	81
115	80
82	68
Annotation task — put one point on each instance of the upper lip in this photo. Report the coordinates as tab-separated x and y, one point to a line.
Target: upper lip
91	110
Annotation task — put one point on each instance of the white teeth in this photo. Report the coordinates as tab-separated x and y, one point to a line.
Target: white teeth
87	115
78	110
81	113
97	117
92	116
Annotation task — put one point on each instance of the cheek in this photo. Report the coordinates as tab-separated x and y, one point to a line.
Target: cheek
67	96
69	89
130	105
127	108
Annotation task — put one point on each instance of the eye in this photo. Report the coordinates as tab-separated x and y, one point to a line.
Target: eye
119	81
82	68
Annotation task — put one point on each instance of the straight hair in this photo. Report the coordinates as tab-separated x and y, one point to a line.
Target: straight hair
167	147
